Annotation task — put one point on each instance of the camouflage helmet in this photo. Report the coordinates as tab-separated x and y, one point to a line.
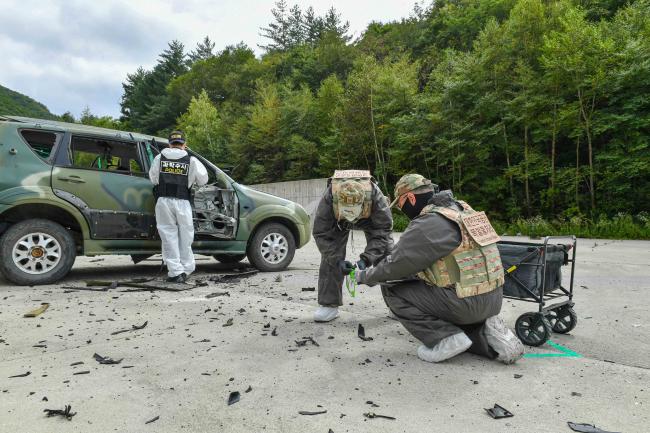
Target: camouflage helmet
351	195
415	183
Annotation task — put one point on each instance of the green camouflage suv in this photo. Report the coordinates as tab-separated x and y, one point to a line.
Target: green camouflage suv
68	190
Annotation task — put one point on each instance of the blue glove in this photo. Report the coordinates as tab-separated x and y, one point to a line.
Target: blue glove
361	264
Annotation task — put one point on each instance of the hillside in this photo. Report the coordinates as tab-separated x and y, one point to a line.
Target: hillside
17	104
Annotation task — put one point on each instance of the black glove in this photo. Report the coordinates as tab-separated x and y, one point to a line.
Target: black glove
361	265
345	267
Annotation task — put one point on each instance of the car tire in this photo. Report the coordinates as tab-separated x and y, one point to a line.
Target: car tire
271	248
229	258
36	251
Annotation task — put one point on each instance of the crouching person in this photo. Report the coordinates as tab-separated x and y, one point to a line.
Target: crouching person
174	172
452	305
351	201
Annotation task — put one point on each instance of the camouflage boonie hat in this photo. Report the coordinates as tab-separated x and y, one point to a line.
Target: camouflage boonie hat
411	183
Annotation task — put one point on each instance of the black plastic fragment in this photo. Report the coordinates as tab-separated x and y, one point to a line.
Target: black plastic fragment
154	419
21	375
498	412
229	322
66	412
76	363
308	289
249	389
215	294
133	328
233	397
371	415
82	372
305	340
274	332
586	428
361	332
306	412
106	360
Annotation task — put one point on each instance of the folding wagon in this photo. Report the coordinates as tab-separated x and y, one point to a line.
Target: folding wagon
533	273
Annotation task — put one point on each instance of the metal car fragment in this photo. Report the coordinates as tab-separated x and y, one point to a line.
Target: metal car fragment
361	332
498	412
66	412
586	428
106	360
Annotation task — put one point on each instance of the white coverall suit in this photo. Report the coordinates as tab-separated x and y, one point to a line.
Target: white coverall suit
174	216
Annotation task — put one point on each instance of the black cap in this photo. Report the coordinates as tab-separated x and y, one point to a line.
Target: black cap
177	137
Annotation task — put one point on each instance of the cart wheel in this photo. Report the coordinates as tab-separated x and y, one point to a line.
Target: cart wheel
563	319
533	329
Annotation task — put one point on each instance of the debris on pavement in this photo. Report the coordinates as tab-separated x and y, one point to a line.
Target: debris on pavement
306	412
229	322
234	277
249	389
81	372
76	363
215	294
233	397
371	415
305	340
498	412
66	412
106	360
361	332
309	289
21	375
274	332
133	328
518	376
586	428
154	419
40	310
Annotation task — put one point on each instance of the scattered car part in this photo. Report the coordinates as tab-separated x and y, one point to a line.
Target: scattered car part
133	328
233	397
498	412
40	310
215	294
106	360
21	375
372	415
154	419
586	428
306	412
66	412
361	332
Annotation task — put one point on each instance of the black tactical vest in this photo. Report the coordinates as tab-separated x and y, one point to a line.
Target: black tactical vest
173	179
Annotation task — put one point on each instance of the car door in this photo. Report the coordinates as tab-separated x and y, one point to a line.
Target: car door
106	178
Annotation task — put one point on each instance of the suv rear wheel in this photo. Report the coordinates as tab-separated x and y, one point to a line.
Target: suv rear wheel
36	251
272	247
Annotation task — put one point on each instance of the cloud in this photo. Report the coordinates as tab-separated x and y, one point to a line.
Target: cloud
69	54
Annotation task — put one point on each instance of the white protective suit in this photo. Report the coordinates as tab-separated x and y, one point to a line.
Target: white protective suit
174	217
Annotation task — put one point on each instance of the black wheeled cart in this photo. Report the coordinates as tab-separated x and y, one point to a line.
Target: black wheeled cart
533	273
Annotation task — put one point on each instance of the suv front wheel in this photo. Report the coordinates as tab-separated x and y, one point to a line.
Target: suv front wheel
272	247
36	251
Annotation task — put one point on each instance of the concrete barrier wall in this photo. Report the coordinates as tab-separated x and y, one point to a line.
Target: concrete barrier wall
307	193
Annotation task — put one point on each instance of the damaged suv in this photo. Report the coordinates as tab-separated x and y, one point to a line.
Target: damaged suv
69	190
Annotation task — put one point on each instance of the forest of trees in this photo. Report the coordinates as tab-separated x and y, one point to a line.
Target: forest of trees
523	107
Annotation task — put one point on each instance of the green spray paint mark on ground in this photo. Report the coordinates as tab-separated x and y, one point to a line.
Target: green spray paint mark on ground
565	352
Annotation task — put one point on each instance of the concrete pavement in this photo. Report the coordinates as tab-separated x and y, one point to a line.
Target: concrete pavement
184	364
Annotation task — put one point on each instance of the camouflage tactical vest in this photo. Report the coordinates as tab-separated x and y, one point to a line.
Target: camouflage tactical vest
475	266
367	201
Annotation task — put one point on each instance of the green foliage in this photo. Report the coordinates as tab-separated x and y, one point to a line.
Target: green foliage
16	104
202	126
522	107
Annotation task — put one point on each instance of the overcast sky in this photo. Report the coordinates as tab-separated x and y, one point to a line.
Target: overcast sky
69	54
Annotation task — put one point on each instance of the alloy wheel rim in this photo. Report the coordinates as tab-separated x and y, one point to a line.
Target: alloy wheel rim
36	253
274	248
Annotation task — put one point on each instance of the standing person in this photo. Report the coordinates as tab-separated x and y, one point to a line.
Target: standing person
453	303
174	172
351	201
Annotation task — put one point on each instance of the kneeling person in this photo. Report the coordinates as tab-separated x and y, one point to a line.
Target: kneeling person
174	172
453	303
351	201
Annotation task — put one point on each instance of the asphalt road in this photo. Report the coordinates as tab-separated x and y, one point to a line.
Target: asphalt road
184	364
